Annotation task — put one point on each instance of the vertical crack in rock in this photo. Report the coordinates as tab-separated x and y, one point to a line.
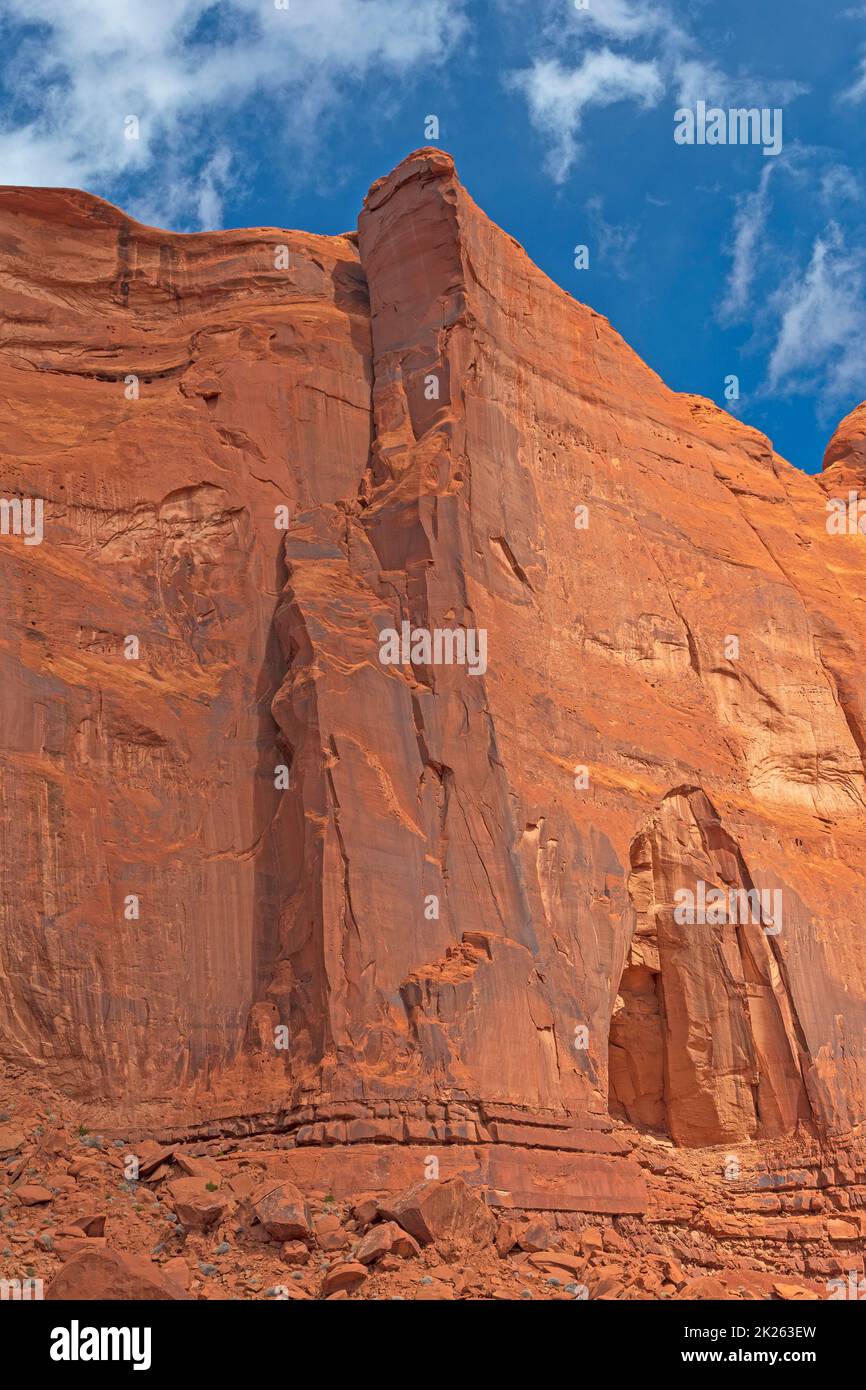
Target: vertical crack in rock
705	1042
465	894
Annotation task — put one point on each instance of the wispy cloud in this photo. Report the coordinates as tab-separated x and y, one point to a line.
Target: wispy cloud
656	56
821	340
623	19
857	90
557	97
181	195
699	79
839	184
802	298
750	223
78	68
615	244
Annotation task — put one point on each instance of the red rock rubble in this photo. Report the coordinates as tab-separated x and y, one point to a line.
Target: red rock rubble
284	921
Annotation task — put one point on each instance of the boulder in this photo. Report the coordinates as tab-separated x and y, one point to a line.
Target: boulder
448	1213
31	1194
11	1140
282	1211
343	1278
95	1275
196	1206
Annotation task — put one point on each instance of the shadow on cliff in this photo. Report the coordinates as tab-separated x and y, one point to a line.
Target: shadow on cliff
269	867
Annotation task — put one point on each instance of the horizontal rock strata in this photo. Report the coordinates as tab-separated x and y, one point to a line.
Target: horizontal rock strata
400	654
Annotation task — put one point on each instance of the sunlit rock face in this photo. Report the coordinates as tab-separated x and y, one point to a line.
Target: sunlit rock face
398	659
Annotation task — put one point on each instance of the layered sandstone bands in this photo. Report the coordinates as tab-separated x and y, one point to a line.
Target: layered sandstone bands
608	648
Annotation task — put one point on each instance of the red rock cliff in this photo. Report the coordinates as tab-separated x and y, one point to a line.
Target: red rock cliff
464	893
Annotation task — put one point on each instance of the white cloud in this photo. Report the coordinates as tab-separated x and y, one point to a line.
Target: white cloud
749	226
557	97
182	67
184	195
623	19
669	61
212	183
839	184
613	243
615	19
857	91
807	310
821	340
697	79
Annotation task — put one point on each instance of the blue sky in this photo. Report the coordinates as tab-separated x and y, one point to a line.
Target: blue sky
710	260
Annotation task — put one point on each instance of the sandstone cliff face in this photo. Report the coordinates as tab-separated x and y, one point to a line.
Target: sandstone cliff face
154	776
465	896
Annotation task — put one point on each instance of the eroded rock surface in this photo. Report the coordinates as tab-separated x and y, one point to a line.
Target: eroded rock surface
258	880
